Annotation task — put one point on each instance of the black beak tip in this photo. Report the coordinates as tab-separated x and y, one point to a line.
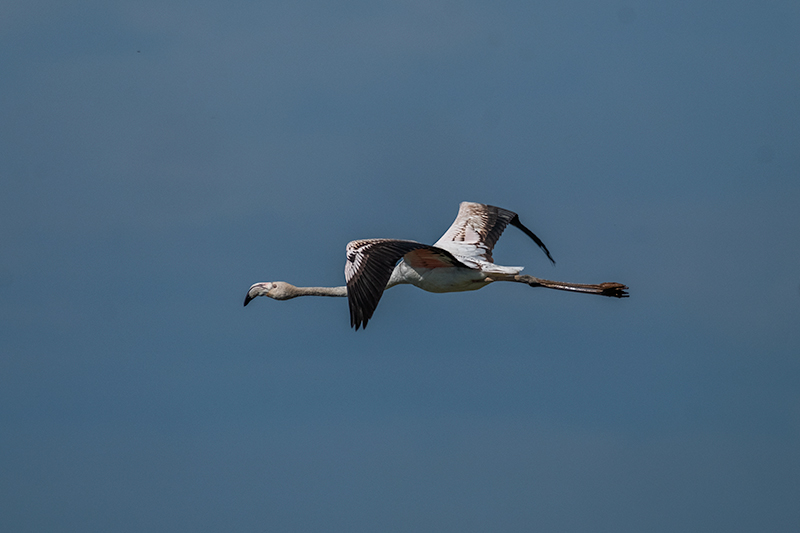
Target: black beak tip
247	300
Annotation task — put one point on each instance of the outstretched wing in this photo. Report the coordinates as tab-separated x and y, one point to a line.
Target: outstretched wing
369	266
477	228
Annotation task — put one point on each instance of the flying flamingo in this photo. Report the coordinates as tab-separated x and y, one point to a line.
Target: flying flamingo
460	261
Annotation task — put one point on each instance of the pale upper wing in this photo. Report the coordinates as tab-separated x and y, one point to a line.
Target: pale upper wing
477	228
369	266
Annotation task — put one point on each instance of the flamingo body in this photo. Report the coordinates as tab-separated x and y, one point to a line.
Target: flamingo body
439	279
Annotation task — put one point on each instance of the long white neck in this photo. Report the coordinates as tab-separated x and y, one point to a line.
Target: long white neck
319	291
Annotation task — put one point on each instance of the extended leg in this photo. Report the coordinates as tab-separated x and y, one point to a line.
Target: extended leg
616	290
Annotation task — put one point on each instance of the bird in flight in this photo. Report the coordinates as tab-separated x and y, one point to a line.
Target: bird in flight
460	261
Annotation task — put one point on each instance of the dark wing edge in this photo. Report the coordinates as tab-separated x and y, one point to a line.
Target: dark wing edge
489	222
369	266
517	224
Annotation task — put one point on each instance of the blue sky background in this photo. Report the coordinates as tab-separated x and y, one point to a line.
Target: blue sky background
157	158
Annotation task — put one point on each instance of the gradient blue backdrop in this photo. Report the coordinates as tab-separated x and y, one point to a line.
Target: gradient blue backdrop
159	157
